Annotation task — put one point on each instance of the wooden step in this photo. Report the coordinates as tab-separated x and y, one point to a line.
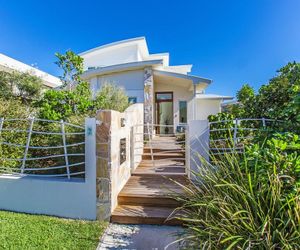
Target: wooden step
163	150
164	155
147	200
127	214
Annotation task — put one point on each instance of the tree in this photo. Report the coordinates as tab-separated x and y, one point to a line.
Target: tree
16	84
62	104
111	97
279	99
72	66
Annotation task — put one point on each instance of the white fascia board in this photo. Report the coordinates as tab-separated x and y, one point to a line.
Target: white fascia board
140	41
195	79
119	68
213	97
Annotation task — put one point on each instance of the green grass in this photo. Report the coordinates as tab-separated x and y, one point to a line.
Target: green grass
24	231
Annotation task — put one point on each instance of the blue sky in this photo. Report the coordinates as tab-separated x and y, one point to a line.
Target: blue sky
231	42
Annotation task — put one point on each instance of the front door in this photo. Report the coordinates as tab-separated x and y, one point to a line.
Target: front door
164	112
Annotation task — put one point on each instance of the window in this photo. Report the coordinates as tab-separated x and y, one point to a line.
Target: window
182	112
164	96
132	100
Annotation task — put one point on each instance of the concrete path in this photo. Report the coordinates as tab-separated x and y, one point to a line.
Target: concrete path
140	237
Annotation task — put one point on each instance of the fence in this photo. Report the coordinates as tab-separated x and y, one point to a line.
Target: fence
232	135
23	151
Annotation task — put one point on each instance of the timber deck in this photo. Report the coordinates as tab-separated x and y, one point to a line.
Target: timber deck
147	196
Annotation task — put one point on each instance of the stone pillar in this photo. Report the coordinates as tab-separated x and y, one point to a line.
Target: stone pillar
103	170
148	98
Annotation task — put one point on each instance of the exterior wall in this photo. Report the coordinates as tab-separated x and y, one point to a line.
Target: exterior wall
207	107
75	198
179	94
109	171
198	145
114	56
71	199
131	81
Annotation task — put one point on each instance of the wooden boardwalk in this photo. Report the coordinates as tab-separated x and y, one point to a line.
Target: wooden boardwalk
146	198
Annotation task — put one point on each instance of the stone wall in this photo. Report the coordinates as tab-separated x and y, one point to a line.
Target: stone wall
148	97
112	126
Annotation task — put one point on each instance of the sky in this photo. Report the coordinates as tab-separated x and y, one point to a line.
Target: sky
230	42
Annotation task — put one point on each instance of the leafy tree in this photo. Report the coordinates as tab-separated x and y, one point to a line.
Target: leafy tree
62	104
111	97
72	66
25	86
279	99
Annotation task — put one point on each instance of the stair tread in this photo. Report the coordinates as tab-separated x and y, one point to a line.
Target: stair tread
142	211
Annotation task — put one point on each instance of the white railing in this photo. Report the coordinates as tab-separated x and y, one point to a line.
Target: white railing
33	161
232	141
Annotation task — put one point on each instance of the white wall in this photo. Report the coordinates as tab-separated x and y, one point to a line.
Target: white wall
131	81
206	107
69	199
198	143
111	56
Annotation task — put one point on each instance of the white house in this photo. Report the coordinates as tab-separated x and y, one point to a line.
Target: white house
171	95
10	64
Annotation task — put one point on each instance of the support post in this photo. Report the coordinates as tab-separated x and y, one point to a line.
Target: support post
132	149
187	152
65	148
235	133
150	144
27	144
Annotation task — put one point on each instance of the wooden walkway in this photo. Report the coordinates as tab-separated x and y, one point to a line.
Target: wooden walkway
146	198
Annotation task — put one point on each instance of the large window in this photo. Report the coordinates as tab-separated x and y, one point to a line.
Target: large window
182	112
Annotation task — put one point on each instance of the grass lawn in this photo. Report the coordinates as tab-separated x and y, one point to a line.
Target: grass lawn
23	231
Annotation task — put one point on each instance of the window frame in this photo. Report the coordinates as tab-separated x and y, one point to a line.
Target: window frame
182	123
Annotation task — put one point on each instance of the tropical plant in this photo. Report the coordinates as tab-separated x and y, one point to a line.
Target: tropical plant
232	207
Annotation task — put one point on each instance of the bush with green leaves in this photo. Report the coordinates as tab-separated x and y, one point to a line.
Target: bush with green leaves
62	104
111	96
231	206
279	99
23	86
280	153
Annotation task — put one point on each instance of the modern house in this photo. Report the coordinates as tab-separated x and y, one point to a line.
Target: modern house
9	64
171	95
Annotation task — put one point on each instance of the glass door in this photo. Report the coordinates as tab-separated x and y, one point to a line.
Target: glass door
164	112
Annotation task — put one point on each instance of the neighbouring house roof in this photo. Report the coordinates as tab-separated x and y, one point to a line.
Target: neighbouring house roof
10	64
213	97
119	68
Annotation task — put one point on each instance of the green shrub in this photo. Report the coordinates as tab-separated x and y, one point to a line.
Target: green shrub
230	205
24	86
62	104
112	97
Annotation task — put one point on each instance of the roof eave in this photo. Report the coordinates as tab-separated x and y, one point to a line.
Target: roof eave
120	68
195	79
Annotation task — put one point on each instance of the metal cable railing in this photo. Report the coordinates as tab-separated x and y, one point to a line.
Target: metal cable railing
23	151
